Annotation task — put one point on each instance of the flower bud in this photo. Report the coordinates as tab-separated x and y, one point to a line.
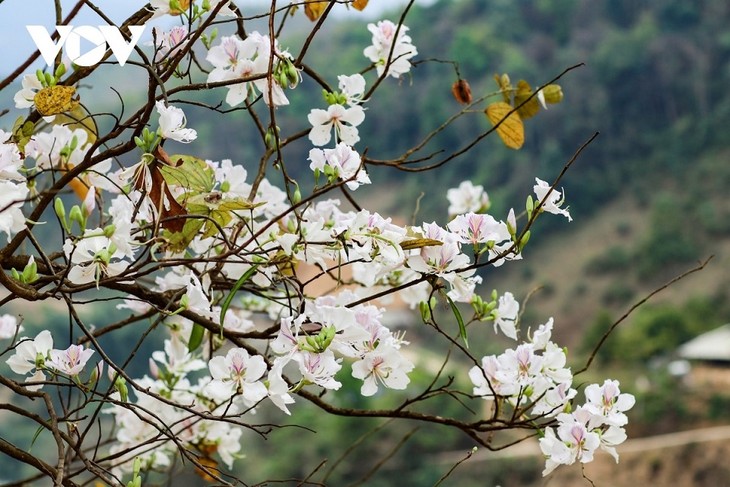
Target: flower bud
75	215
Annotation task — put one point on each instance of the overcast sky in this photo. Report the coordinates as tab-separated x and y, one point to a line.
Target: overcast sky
17	45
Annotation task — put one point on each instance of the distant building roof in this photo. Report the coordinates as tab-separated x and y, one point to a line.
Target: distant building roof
713	345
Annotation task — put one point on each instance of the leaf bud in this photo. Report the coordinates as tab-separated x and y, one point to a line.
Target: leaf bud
553	93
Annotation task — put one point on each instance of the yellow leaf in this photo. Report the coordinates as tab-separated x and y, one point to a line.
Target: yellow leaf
505	87
531	107
53	100
314	8
359	4
510	130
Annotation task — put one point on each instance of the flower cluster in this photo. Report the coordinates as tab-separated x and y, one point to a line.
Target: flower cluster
39	356
597	424
391	49
219	258
248	60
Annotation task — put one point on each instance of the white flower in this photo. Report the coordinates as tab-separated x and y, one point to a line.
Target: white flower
476	228
70	361
10	159
384	365
26	96
9	327
467	198
176	358
343	120
12	198
382	43
352	87
278	388
195	298
343	162
505	316
172	124
608	401
95	256
319	368
237	372
32	354
235	59
553	201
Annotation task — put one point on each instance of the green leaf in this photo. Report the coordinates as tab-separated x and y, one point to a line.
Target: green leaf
459	319
190	173
240	282
196	337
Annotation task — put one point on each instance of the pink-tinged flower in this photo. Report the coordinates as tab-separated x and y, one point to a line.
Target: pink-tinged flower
169	42
476	228
485	375
9	327
319	368
12	198
383	40
343	120
70	361
608	401
172	124
554	199
237	373
30	355
236	59
438	259
574	442
383	366
467	198
341	162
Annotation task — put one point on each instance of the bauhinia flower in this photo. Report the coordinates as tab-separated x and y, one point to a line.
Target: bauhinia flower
505	315
32	355
383	366
236	59
95	256
172	124
553	201
476	228
70	361
341	162
467	198
168	42
608	401
12	197
9	327
237	373
383	42
343	121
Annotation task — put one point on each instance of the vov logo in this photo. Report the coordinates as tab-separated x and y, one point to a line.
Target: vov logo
70	37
